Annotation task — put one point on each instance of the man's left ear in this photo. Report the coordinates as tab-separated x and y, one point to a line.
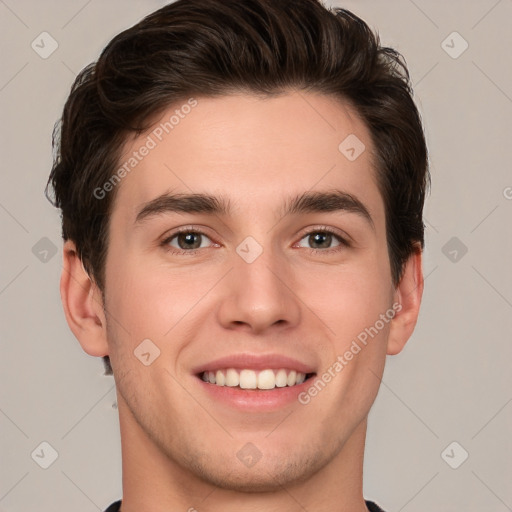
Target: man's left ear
408	294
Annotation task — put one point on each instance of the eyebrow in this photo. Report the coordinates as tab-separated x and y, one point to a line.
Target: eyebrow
307	202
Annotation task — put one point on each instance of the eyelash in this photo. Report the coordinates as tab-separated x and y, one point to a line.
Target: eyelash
344	243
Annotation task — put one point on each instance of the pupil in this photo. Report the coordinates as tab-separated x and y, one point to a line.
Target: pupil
323	239
186	241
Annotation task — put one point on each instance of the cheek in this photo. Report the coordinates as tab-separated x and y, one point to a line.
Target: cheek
352	305
148	300
348	299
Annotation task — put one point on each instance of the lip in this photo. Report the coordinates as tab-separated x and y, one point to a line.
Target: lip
254	400
256	362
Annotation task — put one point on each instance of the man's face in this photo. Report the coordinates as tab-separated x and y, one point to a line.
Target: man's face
249	285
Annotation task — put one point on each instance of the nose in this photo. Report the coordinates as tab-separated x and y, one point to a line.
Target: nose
259	296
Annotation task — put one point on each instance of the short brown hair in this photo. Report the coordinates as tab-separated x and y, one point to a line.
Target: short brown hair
215	47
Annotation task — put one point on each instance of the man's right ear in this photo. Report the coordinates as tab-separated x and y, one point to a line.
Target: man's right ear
83	304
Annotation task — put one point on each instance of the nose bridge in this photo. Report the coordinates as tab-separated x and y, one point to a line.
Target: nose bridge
258	269
258	296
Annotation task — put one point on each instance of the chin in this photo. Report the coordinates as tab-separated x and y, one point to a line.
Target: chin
265	476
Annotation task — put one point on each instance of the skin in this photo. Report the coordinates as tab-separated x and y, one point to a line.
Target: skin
179	446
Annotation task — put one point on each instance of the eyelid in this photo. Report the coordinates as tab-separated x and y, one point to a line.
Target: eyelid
167	237
342	235
344	238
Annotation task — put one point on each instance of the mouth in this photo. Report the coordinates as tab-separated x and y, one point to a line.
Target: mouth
254	383
251	380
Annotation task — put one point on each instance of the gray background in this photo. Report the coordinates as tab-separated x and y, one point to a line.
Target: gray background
451	383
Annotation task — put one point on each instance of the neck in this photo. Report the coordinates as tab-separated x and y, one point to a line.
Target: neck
153	481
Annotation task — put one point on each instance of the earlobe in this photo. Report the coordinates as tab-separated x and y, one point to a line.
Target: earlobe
83	304
408	295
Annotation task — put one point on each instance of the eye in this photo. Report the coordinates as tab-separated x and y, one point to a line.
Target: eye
322	239
187	240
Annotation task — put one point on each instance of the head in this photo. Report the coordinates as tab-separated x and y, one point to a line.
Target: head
253	104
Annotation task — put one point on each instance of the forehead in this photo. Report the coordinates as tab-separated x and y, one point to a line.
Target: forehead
253	150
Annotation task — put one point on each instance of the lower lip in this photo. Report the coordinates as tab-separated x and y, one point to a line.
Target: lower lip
255	399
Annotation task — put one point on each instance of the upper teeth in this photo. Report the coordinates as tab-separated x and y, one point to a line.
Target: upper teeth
250	379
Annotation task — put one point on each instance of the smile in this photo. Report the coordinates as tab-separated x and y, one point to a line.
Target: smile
266	379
